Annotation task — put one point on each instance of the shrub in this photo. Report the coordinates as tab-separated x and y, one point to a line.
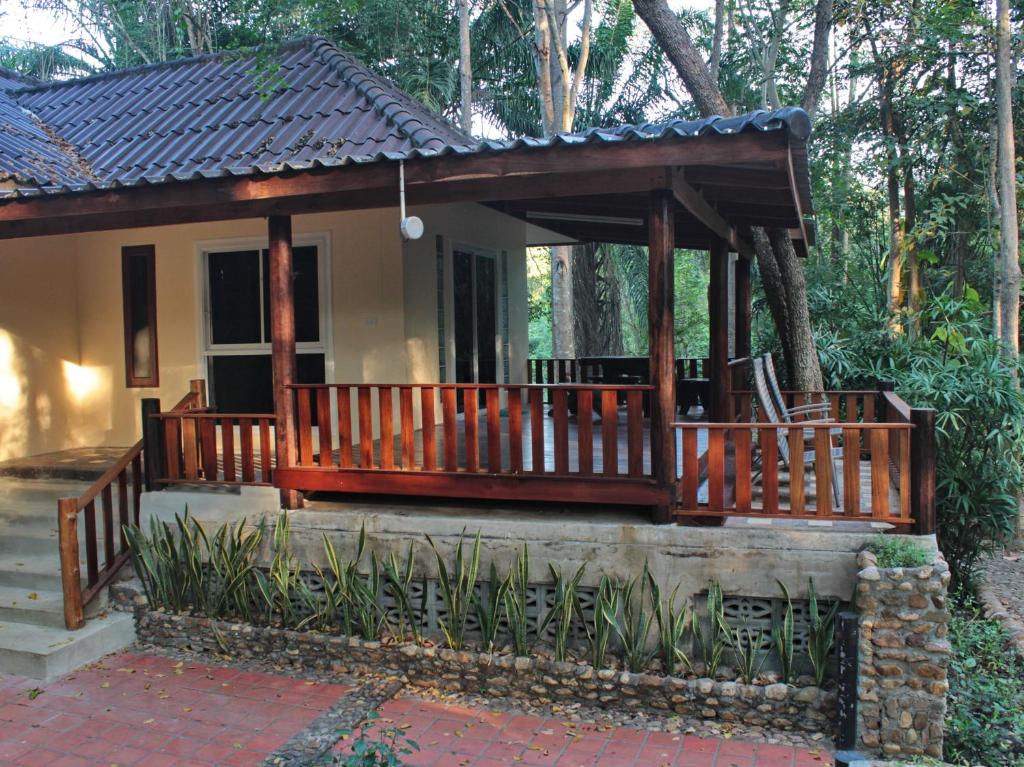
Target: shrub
898	552
985	707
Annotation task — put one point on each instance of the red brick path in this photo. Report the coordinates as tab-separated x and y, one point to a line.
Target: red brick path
149	710
455	736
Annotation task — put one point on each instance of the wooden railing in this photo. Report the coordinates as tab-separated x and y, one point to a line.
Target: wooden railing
473	440
219	448
126	479
740	471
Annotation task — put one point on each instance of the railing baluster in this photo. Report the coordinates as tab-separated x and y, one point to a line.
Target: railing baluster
635	432
851	408
208	438
137	483
428	428
448	416
851	471
245	448
869	407
691	471
107	507
585	431
265	446
609	433
122	509
904	469
323	422
385	402
769	437
365	429
515	430
227	438
797	486
189	448
92	566
560	410
407	431
172	449
305	428
716	469
537	430
344	397
741	444
493	430
823	470
471	418
879	473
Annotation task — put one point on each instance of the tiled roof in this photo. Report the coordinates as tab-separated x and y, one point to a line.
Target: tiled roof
205	117
208	115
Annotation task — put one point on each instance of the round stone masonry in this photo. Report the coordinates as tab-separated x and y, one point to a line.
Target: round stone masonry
903	657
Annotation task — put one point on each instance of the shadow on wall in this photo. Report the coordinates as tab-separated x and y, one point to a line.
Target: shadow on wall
47	403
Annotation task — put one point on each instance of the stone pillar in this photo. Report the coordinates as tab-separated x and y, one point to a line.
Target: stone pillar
904	655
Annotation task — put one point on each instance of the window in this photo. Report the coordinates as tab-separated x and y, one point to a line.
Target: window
238	343
138	286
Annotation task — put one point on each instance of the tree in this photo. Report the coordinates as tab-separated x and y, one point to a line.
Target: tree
1009	258
465	69
780	269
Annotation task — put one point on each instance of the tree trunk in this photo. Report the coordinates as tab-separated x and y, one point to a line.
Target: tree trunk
596	302
716	41
465	68
562	323
781	272
1009	255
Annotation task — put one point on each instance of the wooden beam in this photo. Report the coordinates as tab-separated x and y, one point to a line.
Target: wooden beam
718	313
282	345
692	200
802	225
661	335
731	176
742	307
449	178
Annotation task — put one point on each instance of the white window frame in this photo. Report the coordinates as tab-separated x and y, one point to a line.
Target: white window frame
322	242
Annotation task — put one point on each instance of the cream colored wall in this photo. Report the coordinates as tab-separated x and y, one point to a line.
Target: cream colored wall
62	376
473	226
41	383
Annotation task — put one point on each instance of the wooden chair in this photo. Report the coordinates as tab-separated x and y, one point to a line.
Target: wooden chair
772	413
800	411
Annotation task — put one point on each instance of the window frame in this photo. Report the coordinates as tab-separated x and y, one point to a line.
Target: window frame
132	381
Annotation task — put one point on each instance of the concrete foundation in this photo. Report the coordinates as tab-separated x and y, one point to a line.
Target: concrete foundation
746	558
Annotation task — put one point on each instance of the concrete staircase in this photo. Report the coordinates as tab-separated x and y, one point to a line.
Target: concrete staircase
33	641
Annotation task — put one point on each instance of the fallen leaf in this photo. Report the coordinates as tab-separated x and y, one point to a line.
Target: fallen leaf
33	595
149	721
105	684
34	693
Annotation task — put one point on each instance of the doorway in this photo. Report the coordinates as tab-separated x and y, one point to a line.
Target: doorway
476	318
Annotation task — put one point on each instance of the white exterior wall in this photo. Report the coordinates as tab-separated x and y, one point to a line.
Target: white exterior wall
62	367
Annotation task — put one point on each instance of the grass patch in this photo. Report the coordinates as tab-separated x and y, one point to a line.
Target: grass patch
898	552
985	714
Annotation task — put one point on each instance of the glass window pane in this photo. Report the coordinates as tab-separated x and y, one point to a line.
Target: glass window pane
234	297
139	286
486	321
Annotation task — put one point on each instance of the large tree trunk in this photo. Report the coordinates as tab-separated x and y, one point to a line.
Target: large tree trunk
1009	255
716	41
465	69
562	322
596	302
781	272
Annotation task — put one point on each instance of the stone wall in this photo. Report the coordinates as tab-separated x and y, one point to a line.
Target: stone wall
904	655
539	680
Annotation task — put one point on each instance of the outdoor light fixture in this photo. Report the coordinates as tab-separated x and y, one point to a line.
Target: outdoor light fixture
411	227
584	219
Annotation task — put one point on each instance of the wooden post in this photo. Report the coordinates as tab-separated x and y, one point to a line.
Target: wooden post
70	572
718	312
847	636
282	344
661	327
922	470
742	318
198	387
152	444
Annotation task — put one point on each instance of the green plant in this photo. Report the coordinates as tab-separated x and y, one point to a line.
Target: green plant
376	746
457	589
892	551
282	587
599	633
231	557
488	610
746	647
634	627
821	633
516	599
565	608
672	621
398	580
985	706
782	631
710	637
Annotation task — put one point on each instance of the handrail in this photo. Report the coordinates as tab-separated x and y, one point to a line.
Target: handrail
68	509
897	403
481	386
207	413
790	425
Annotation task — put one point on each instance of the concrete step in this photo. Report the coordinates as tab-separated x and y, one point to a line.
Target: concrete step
39	572
21	605
45	652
